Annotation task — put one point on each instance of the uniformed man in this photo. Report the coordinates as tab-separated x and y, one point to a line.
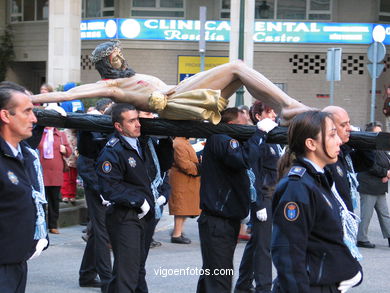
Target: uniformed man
96	259
124	182
224	200
22	221
343	171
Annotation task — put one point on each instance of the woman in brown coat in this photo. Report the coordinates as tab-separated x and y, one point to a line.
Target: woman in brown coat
184	179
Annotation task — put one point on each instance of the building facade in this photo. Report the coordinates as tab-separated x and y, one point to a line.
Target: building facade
299	68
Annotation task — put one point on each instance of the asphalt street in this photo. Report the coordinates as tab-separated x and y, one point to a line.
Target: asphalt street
56	270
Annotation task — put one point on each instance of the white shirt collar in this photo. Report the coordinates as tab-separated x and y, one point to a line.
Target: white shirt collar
132	141
14	150
318	168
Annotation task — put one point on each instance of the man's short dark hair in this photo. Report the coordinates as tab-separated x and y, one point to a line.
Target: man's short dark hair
230	114
118	109
102	104
7	88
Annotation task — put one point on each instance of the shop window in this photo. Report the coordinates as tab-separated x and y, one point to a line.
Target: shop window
384	10
158	8
286	9
97	8
29	10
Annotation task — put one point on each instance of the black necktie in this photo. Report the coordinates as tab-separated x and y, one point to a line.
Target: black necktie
139	149
19	156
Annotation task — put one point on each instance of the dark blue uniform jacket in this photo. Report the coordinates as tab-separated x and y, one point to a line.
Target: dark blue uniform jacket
307	239
17	208
224	189
123	176
265	169
339	174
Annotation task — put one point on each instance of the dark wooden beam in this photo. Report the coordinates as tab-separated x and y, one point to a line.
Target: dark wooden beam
102	123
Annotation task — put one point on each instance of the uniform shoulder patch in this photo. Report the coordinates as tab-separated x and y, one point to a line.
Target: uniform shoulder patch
291	211
234	144
297	171
113	141
106	167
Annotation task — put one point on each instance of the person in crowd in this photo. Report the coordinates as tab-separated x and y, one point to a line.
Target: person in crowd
246	111
184	179
96	259
309	244
201	96
125	183
69	187
45	88
256	263
23	233
225	199
157	156
52	148
373	186
343	171
74	105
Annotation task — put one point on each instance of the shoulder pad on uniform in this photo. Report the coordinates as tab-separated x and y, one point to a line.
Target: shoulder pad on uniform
297	171
113	141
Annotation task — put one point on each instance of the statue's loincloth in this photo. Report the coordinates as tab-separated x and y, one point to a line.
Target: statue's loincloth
199	104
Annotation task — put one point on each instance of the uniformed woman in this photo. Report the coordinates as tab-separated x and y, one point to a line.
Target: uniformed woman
310	247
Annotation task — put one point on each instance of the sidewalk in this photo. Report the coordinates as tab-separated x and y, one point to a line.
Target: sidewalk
56	270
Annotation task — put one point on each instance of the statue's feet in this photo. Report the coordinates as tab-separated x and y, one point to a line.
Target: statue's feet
288	113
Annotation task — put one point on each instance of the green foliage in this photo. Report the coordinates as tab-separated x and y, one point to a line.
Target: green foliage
7	53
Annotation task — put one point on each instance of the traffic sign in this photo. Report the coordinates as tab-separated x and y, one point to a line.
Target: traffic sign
380	52
379	69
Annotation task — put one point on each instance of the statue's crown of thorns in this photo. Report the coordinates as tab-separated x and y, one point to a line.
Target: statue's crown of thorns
103	50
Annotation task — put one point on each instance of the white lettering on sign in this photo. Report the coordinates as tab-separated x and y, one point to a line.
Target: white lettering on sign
262	26
96	25
262	37
177	24
178	35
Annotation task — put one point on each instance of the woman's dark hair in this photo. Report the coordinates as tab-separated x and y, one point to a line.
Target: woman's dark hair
305	125
258	107
118	109
370	126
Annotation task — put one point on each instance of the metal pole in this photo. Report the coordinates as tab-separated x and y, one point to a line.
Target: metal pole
373	84
240	92
202	31
333	77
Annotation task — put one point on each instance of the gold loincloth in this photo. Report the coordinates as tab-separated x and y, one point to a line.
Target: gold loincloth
199	104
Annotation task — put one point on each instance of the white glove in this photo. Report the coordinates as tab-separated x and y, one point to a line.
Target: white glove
145	209
262	215
41	244
266	124
105	202
348	284
161	200
246	220
55	107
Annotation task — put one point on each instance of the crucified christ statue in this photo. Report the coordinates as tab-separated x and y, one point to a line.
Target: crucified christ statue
201	96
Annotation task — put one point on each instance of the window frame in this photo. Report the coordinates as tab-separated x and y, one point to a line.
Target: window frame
309	12
382	14
103	9
21	13
159	8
